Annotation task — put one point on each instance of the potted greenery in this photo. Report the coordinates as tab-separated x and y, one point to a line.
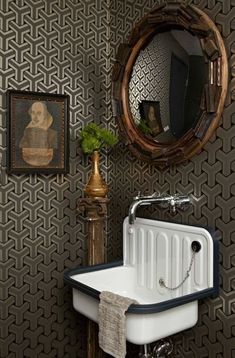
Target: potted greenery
93	138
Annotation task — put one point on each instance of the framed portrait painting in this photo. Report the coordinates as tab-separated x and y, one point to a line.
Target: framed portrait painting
150	112
38	127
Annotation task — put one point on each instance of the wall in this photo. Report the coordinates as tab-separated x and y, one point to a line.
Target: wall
56	46
64	46
208	177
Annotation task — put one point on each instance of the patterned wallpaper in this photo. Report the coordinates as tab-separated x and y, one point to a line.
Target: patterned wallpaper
64	46
56	46
208	177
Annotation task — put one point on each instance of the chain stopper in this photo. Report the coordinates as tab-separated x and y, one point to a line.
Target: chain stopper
162	282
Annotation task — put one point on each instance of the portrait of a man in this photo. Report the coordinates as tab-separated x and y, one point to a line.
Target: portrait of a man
37	132
39	140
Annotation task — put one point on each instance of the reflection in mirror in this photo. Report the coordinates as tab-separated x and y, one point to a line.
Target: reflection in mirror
169	84
166	85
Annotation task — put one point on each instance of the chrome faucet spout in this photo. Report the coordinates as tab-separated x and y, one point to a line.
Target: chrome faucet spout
134	205
164	201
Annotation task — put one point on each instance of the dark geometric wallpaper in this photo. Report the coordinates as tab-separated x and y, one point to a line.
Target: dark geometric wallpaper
210	179
68	46
54	46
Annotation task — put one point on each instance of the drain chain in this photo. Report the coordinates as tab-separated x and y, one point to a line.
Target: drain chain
162	282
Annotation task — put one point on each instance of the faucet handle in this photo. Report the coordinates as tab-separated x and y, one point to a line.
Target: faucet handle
137	196
181	202
155	194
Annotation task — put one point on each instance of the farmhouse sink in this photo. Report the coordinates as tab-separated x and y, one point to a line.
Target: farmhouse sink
154	252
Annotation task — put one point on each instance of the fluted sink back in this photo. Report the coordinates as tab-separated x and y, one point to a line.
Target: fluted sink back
162	250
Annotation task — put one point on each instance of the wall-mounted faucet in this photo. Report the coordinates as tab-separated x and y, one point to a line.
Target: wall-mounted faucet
164	201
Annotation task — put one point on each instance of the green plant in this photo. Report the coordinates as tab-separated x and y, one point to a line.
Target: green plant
93	137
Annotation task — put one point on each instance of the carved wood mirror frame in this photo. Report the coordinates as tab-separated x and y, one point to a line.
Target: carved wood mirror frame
165	16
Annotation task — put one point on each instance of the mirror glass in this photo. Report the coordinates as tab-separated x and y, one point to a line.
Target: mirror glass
169	84
166	85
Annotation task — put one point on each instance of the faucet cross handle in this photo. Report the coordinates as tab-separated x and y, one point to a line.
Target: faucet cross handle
139	196
173	205
155	194
181	202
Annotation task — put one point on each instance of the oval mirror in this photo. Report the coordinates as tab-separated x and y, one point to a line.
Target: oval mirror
169	84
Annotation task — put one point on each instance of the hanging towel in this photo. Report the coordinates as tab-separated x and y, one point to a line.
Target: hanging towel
112	323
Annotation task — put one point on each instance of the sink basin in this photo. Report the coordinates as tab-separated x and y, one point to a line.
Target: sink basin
152	250
145	322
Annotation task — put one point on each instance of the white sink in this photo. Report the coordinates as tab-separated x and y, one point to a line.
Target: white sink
152	250
141	327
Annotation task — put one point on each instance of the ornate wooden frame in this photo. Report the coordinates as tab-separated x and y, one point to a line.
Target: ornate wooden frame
171	15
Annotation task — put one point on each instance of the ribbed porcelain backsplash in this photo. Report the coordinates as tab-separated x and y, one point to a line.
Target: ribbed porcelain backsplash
163	250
